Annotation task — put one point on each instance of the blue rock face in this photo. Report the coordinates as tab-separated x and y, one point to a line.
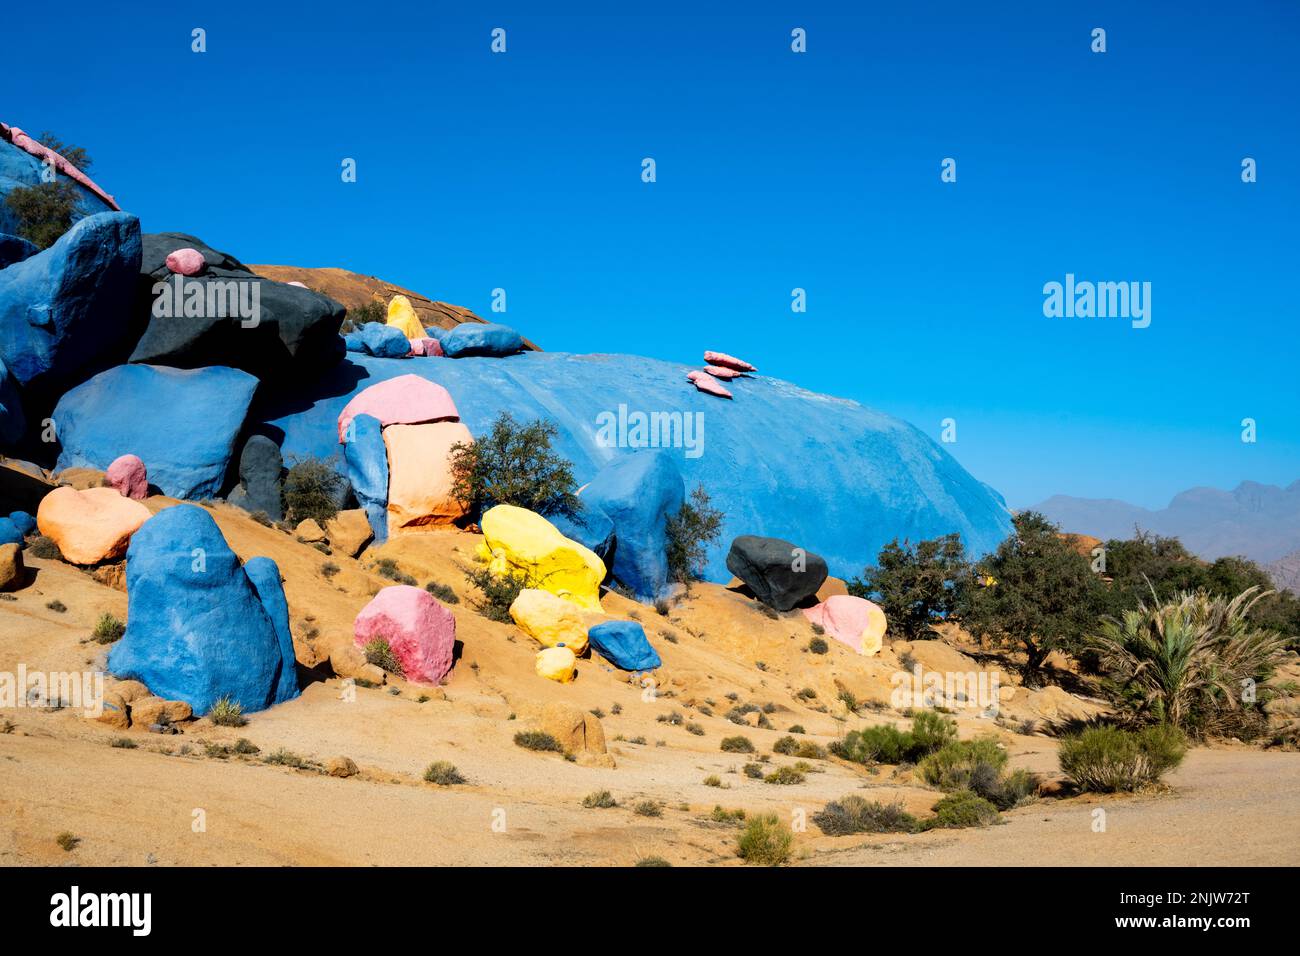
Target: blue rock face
384	341
15	249
366	459
12	420
181	422
639	492
473	338
623	644
197	627
20	168
63	309
265	577
840	479
590	527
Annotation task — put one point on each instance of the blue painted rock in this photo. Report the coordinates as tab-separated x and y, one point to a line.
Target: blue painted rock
353	342
435	332
589	526
473	338
181	423
9	533
384	341
15	249
197	626
639	492
12	420
366	458
840	479
623	644
63	309
19	168
780	574
260	487
24	522
227	315
265	577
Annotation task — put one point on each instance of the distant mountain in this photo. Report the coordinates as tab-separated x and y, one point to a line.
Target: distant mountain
1285	572
1260	522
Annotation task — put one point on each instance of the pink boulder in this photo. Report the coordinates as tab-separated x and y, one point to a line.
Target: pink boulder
420	631
707	383
186	262
728	361
854	621
128	476
717	371
404	400
428	347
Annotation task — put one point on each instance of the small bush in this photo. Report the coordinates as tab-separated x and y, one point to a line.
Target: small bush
730	817
499	592
370	312
514	464
57	606
737	745
329	569
953	766
854	814
647	808
599	800
387	568
442	592
962	809
43	547
123	743
285	758
1109	760
881	744
754	771
690	531
652	861
108	629
227	713
785	776
818	645
380	653
931	730
245	746
694	728
443	773
538	740
312	489
766	841
713	780
67	841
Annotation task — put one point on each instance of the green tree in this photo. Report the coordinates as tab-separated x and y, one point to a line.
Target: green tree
691	530
44	211
514	464
916	585
1041	595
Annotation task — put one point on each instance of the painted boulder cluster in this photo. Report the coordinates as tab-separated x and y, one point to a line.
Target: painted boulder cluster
719	367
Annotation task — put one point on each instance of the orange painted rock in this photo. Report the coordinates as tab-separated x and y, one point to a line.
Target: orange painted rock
92	525
419	475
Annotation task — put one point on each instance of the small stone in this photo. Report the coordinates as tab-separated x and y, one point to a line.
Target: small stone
186	262
341	767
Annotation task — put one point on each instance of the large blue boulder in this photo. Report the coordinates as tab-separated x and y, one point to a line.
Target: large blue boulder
182	423
265	577
623	644
19	168
384	341
475	338
12	420
840	479
589	526
15	249
198	628
366	458
64	309
639	492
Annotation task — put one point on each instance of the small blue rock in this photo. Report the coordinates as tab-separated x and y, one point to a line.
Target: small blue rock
367	466
474	338
9	533
353	342
25	523
384	341
435	332
198	628
624	644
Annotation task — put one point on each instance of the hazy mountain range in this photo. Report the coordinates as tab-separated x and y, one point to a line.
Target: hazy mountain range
1260	522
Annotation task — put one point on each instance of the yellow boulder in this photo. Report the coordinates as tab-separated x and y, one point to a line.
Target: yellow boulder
402	316
521	542
550	620
557	664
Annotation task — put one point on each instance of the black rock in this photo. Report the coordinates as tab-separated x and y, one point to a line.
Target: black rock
260	468
271	329
779	574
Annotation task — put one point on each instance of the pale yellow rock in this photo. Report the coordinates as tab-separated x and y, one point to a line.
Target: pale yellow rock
309	531
551	620
349	532
156	710
519	541
113	712
92	525
12	570
557	664
419	475
402	316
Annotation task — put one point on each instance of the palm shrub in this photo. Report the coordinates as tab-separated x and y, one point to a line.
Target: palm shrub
1188	661
1110	759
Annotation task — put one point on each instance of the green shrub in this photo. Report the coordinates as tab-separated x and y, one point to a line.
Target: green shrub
44	211
370	312
962	809
387	568
443	773
931	731
854	814
514	464
43	547
538	740
285	758
953	766
916	585
754	771
108	629
499	592
690	531
1109	759
442	592
380	653
713	780
227	713
766	841
652	861
818	645
312	489
730	817
786	745
737	745
785	776
647	808
884	743
599	800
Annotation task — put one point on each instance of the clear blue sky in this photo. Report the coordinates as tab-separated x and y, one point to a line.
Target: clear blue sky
775	170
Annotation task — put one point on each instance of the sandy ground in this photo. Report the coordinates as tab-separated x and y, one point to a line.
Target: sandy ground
169	801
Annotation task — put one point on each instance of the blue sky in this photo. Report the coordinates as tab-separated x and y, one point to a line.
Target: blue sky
775	170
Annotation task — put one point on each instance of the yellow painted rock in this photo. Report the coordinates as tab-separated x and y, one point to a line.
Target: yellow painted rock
519	541
92	525
402	316
557	664
550	620
419	475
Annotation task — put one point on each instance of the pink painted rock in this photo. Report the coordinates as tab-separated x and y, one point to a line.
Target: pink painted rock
128	476
419	475
404	400
92	525
300	285
426	346
851	620
728	361
707	383
717	371
186	262
42	152
420	631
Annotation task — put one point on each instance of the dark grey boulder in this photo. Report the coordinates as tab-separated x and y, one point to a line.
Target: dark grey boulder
260	485
777	572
